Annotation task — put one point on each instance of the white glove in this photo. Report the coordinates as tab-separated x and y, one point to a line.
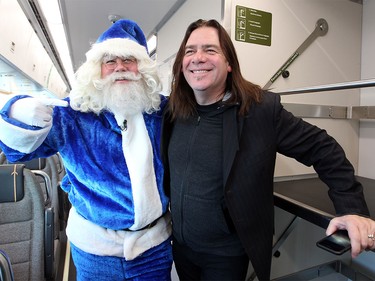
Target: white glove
35	111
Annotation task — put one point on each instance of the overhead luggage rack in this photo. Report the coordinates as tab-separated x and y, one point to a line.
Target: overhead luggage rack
330	111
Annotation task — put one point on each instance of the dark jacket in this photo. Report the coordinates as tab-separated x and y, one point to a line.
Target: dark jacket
250	145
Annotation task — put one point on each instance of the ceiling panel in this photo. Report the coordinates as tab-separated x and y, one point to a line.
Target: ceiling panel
85	20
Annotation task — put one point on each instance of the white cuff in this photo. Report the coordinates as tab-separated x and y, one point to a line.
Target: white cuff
23	140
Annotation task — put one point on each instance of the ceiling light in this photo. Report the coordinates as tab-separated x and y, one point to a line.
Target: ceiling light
114	18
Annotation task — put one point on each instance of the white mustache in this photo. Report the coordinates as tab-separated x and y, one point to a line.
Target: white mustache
124	76
99	84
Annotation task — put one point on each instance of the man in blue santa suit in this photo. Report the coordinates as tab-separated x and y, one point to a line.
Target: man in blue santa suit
108	133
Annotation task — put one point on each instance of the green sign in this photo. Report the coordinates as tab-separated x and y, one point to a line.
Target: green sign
253	26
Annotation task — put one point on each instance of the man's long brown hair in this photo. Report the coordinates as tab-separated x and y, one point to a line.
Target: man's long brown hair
182	102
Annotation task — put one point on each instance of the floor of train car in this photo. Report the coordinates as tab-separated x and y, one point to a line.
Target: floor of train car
66	269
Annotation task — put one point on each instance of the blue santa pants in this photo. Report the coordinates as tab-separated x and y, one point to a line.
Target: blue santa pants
154	264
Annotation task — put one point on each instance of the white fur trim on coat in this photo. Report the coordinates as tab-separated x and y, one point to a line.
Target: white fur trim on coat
118	47
139	158
23	140
101	241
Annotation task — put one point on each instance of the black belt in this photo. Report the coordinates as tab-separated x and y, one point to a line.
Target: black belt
145	227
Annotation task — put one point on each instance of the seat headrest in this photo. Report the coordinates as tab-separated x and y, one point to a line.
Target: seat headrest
11	182
34	164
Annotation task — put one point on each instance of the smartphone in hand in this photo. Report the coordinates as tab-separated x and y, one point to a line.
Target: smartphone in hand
336	243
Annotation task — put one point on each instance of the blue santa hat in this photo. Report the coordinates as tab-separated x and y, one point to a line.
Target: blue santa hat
123	38
124	28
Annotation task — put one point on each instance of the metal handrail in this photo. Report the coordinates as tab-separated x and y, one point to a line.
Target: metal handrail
330	87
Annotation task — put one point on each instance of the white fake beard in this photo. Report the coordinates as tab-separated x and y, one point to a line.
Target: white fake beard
125	99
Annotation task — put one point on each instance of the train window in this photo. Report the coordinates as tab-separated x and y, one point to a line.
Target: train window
151	45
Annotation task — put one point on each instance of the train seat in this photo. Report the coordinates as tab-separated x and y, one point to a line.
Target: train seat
48	173
22	221
6	271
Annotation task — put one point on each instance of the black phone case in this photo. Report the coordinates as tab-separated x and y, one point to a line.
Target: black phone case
336	243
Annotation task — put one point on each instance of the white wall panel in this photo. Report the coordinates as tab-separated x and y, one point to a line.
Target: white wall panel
21	46
367	127
15	32
37	62
366	166
172	33
333	58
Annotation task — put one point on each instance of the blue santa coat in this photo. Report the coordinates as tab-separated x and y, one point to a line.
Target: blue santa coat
97	179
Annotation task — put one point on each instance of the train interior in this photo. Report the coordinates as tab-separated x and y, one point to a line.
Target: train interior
317	54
